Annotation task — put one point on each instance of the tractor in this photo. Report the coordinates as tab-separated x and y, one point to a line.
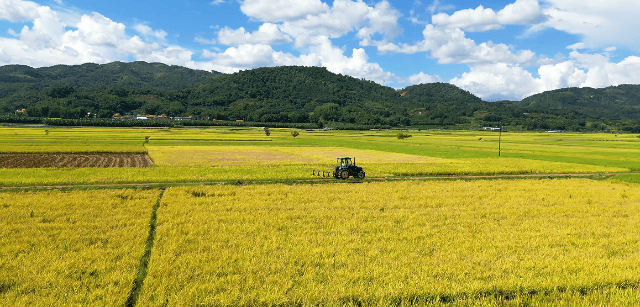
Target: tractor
344	168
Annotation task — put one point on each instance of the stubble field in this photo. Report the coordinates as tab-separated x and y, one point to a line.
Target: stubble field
232	217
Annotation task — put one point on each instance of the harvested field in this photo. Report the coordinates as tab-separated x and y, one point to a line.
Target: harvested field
24	160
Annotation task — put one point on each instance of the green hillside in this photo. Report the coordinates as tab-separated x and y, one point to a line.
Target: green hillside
294	94
615	102
134	75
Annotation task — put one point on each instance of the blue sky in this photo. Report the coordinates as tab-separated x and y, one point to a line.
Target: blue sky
499	49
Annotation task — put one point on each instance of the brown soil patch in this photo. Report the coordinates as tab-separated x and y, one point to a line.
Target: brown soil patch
25	160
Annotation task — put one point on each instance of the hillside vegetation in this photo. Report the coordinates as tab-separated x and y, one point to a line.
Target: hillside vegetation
294	94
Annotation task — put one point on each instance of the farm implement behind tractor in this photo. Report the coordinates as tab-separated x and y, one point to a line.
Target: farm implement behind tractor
343	170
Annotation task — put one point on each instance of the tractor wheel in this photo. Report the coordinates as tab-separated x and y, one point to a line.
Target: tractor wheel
361	175
344	174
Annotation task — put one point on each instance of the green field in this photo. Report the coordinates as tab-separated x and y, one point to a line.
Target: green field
232	217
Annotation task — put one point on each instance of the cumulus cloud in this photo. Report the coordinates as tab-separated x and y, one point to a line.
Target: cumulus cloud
582	70
248	56
16	10
499	80
56	38
59	38
421	78
437	6
323	53
148	32
172	55
357	65
451	46
343	17
267	34
382	18
483	19
204	41
311	27
599	23
496	70
282	10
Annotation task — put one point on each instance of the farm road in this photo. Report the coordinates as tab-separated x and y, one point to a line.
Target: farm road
316	180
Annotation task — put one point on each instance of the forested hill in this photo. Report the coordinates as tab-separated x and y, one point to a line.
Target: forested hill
291	84
296	94
615	102
313	94
134	75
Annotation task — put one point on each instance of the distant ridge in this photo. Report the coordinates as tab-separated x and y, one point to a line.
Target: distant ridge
297	94
134	74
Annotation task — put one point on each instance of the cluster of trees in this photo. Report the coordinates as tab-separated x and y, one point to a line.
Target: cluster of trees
289	95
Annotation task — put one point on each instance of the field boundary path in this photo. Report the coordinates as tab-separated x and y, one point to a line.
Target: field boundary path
141	275
163	185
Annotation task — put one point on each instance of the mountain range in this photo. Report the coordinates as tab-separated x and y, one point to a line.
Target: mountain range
295	94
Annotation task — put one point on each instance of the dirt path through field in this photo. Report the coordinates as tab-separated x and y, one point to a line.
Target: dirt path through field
314	180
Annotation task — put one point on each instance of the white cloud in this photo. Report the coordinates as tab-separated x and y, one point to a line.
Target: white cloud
583	70
421	78
282	10
599	23
451	46
483	19
148	32
343	17
172	55
565	74
216	2
382	18
46	31
323	53
17	10
63	38
436	6
250	56
204	41
576	46
601	72
357	65
497	81
267	34
95	38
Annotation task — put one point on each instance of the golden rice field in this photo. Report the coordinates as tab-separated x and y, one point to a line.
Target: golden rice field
241	221
79	248
397	243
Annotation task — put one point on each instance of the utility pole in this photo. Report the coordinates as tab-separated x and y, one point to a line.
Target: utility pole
500	140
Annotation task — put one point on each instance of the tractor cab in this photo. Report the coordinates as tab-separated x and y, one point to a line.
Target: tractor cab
344	161
344	168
